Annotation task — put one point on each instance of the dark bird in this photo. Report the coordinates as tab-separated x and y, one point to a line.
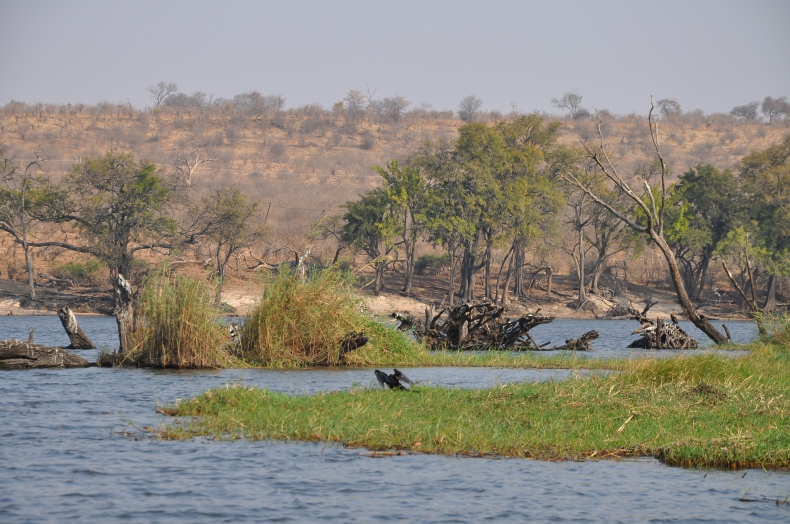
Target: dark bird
674	318
393	381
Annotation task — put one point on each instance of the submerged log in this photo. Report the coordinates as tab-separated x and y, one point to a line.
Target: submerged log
78	338
479	325
579	344
15	354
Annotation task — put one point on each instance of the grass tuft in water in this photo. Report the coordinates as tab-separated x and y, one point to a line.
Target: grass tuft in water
304	322
178	326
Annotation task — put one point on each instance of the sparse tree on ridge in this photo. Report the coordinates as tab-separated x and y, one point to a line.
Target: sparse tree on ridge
669	107
355	104
570	101
161	91
773	108
469	108
746	111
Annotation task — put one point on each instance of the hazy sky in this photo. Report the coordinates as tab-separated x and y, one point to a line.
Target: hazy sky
710	55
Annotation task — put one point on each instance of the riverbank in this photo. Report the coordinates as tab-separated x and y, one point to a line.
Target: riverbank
704	410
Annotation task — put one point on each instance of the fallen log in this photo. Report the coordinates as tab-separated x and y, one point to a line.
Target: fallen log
479	325
15	354
78	338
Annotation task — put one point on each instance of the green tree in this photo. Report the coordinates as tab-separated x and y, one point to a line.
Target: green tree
118	204
228	221
704	206
370	228
765	182
406	193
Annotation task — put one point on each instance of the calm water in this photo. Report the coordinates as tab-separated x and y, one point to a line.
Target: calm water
70	450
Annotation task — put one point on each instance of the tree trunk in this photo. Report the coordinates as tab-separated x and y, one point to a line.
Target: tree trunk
770	299
31	283
124	313
78	338
582	295
378	285
453	265
685	303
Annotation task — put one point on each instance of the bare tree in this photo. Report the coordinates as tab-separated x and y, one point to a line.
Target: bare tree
161	91
570	101
746	112
651	205
187	163
15	195
773	108
355	103
469	108
274	103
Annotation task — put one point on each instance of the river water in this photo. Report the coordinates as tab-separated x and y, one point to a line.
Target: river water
72	449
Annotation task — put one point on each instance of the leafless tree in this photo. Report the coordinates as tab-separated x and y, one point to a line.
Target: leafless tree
161	91
469	108
274	103
652	205
186	163
355	103
17	185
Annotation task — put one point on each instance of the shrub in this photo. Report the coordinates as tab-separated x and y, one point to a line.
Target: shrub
299	323
77	271
177	326
432	264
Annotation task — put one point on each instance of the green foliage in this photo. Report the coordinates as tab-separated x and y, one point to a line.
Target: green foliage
303	323
77	271
177	325
432	264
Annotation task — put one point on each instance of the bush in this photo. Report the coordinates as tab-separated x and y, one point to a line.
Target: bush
77	271
301	323
177	325
432	264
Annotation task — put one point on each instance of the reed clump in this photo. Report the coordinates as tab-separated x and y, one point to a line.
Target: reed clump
304	322
178	326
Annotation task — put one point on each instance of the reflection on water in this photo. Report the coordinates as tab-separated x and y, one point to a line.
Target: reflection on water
63	457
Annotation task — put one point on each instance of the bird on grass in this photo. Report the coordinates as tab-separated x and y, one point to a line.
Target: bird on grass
393	381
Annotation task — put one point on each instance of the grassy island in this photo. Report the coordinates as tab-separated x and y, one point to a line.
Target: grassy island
701	410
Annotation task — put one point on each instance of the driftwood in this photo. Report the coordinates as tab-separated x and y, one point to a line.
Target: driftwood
78	338
480	325
578	344
660	334
15	354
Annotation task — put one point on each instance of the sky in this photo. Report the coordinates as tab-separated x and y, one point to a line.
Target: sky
709	55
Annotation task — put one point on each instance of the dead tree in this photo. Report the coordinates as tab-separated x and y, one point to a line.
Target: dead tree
78	338
578	344
660	334
187	165
15	354
652	208
124	313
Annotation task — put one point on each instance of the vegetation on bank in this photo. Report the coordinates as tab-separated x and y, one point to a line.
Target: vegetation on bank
701	410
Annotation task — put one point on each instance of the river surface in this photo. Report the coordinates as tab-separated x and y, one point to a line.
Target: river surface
72	449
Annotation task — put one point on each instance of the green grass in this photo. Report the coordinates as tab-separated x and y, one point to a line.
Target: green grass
303	323
177	325
701	410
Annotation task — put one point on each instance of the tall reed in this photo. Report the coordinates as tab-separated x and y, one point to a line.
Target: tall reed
304	322
177	325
